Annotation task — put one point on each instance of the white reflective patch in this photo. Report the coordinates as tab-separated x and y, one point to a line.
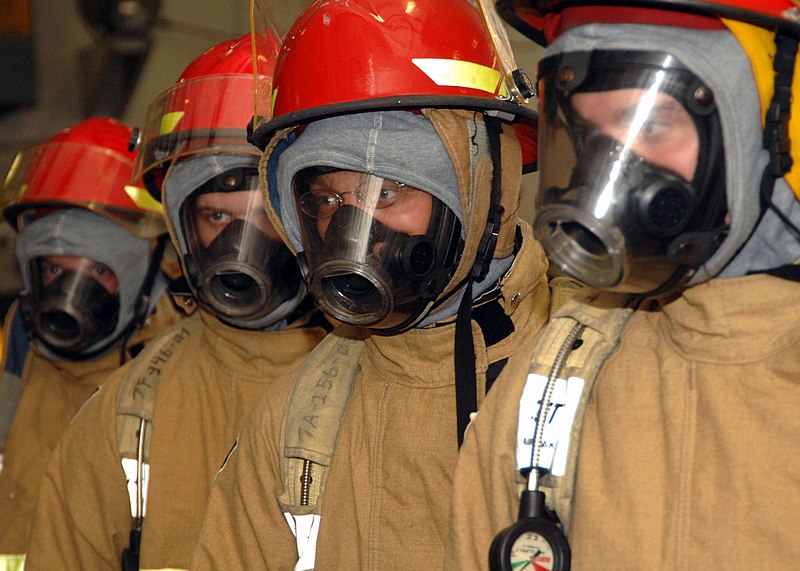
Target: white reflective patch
305	529
129	466
15	562
2	457
559	417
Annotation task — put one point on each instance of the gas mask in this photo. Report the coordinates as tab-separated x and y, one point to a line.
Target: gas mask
67	308
632	188
236	263
376	252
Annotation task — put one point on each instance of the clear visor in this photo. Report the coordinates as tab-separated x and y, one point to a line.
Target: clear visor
60	174
208	114
622	172
269	22
377	251
75	302
516	80
240	268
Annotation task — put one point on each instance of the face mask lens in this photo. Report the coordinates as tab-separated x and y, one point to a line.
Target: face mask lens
72	307
377	251
237	264
628	163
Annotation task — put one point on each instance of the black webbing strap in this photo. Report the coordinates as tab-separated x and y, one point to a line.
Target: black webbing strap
776	126
495	326
464	350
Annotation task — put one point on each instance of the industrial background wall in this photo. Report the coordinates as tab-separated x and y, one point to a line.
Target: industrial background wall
64	60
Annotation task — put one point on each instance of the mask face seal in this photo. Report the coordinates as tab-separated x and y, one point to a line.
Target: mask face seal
376	252
73	303
632	188
237	265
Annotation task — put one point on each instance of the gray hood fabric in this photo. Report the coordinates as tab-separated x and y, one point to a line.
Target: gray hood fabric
397	145
78	232
717	58
183	179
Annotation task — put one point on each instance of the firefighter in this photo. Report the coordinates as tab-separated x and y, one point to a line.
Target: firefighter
152	440
90	248
657	427
392	163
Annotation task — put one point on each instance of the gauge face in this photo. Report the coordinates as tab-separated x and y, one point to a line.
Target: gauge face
530	544
531	552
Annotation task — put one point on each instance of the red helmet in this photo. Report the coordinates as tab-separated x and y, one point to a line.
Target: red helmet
428	53
540	20
88	165
208	108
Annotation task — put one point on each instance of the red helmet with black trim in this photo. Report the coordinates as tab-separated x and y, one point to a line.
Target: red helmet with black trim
208	108
369	55
545	20
88	165
540	20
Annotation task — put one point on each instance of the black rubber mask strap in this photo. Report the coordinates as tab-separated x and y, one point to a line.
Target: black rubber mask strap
464	350
776	129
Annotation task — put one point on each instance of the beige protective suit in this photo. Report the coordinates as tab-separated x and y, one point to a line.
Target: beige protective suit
52	392
699	404
386	501
206	388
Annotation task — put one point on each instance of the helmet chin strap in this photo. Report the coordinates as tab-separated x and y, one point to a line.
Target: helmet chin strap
464	350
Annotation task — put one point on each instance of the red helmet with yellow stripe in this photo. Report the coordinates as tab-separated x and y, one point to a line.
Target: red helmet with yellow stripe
207	109
368	55
88	165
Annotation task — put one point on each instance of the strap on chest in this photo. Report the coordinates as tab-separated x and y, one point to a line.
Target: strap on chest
314	412
135	407
602	317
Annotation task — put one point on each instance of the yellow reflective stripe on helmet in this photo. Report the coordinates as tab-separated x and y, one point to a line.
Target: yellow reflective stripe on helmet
458	73
169	121
14	562
143	199
272	97
759	45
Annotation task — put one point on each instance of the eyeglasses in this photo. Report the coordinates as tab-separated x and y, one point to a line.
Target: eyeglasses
323	203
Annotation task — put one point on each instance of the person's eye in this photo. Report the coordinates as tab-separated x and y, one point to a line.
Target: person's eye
215	216
52	269
653	127
319	203
325	200
101	270
387	196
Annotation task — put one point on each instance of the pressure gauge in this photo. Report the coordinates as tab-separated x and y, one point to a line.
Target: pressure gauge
533	543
